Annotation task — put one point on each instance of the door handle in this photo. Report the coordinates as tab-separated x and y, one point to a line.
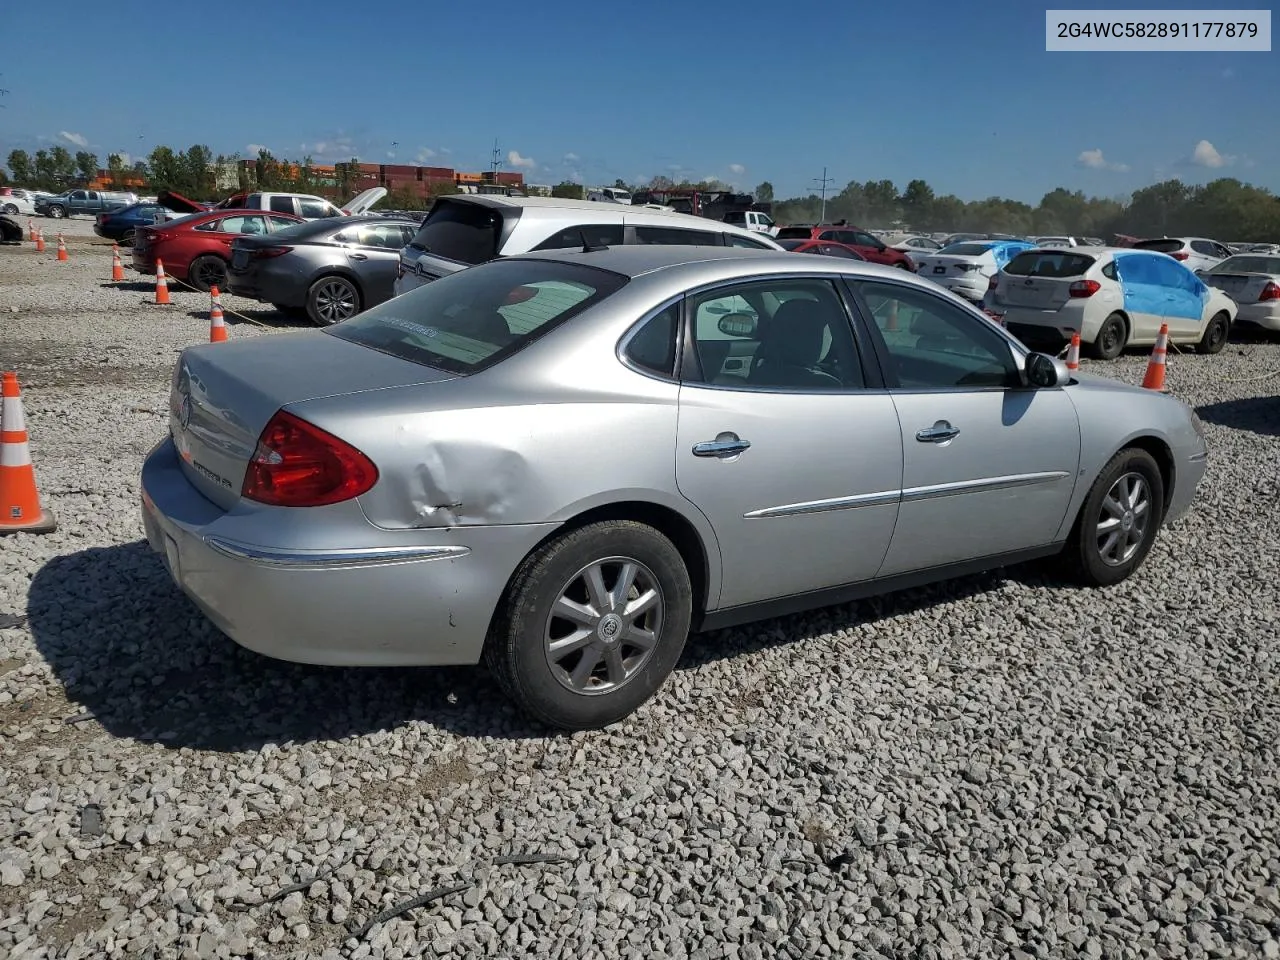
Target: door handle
940	432
358	256
724	445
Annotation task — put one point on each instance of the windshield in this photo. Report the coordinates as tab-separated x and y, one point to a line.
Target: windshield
1250	264
472	319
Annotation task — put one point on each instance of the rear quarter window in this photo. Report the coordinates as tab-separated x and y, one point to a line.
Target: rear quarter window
1046	263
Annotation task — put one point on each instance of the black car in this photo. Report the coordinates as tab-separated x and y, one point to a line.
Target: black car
120	225
329	269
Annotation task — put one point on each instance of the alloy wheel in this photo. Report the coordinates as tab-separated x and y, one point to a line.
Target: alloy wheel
1123	521
604	625
336	301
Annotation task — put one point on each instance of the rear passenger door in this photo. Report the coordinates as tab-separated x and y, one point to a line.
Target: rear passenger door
1144	291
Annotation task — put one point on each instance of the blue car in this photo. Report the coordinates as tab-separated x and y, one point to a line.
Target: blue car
119	225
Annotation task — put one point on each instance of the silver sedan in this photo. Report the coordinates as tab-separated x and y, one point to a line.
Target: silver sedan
564	463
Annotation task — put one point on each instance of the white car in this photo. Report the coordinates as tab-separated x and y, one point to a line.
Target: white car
17	202
966	268
1114	298
464	230
917	245
1196	253
1253	281
1056	241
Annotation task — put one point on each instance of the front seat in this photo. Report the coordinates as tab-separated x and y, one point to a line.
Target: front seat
792	347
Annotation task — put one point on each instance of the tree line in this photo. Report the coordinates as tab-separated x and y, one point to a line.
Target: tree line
1225	209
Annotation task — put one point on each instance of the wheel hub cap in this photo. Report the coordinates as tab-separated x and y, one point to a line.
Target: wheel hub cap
610	629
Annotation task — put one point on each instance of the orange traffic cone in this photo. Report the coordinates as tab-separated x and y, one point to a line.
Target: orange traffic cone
31	230
217	327
117	268
1154	380
39	241
62	248
1073	354
162	284
20	510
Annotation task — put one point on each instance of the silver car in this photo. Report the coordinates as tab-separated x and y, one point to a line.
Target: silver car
563	463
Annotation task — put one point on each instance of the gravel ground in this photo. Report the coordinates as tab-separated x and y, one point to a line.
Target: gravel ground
998	766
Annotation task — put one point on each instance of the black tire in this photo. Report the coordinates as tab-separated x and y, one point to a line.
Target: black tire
126	238
1215	334
516	650
332	299
10	208
1111	339
57	212
10	230
207	271
1083	558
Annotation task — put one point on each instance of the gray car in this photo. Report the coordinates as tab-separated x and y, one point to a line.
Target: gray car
563	463
328	269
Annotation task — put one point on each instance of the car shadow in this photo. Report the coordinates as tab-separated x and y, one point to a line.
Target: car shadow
131	286
1260	415
259	318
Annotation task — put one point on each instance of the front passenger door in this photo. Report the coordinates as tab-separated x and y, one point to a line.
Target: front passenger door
988	467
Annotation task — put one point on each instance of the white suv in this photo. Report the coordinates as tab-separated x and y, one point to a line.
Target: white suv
464	230
1194	253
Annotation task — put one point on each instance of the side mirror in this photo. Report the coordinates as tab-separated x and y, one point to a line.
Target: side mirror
1043	371
737	325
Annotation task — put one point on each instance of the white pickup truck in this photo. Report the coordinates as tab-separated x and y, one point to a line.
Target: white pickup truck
752	220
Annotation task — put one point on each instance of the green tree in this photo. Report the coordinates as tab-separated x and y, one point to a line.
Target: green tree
165	170
568	190
21	167
115	170
46	174
196	165
764	192
917	205
64	165
86	165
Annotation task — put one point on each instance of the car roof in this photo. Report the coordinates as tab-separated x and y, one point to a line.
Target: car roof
636	260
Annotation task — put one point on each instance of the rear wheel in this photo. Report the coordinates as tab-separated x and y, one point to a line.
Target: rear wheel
207	271
126	238
1215	334
1119	520
332	300
592	624
1111	338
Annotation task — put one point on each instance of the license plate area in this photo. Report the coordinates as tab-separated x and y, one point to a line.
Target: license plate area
939	269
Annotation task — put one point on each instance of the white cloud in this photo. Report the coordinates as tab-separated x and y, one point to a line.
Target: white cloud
575	176
75	139
1094	160
254	148
1206	155
737	168
391	154
571	158
516	160
426	153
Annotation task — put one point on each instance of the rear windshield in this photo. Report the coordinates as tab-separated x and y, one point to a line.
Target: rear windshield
735	216
966	249
465	232
472	319
790	244
1163	246
1248	265
794	233
1045	263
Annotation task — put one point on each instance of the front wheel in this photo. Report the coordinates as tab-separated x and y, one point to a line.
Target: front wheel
592	624
1118	523
1110	341
11	209
1215	334
57	212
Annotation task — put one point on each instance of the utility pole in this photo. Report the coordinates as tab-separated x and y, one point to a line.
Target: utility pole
823	183
496	161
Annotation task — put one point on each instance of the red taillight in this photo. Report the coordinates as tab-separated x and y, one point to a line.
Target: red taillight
1180	255
1084	288
266	253
300	465
1269	292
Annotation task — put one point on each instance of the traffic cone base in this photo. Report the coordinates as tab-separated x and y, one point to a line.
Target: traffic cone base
20	509
1154	379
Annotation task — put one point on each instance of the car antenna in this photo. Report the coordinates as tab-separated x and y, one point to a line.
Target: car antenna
586	244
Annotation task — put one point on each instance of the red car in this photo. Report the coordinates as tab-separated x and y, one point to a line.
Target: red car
872	248
823	248
196	250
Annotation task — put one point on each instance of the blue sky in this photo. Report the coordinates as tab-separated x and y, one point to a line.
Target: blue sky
958	92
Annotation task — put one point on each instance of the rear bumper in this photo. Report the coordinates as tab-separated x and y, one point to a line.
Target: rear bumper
971	288
397	598
279	287
1264	315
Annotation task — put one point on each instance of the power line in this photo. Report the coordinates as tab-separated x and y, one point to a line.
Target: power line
823	182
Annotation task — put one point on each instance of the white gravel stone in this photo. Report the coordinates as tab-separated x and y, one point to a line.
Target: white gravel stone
997	766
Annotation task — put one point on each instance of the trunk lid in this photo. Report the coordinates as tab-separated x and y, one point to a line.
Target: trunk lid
1041	279
178	203
1240	287
935	266
223	395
